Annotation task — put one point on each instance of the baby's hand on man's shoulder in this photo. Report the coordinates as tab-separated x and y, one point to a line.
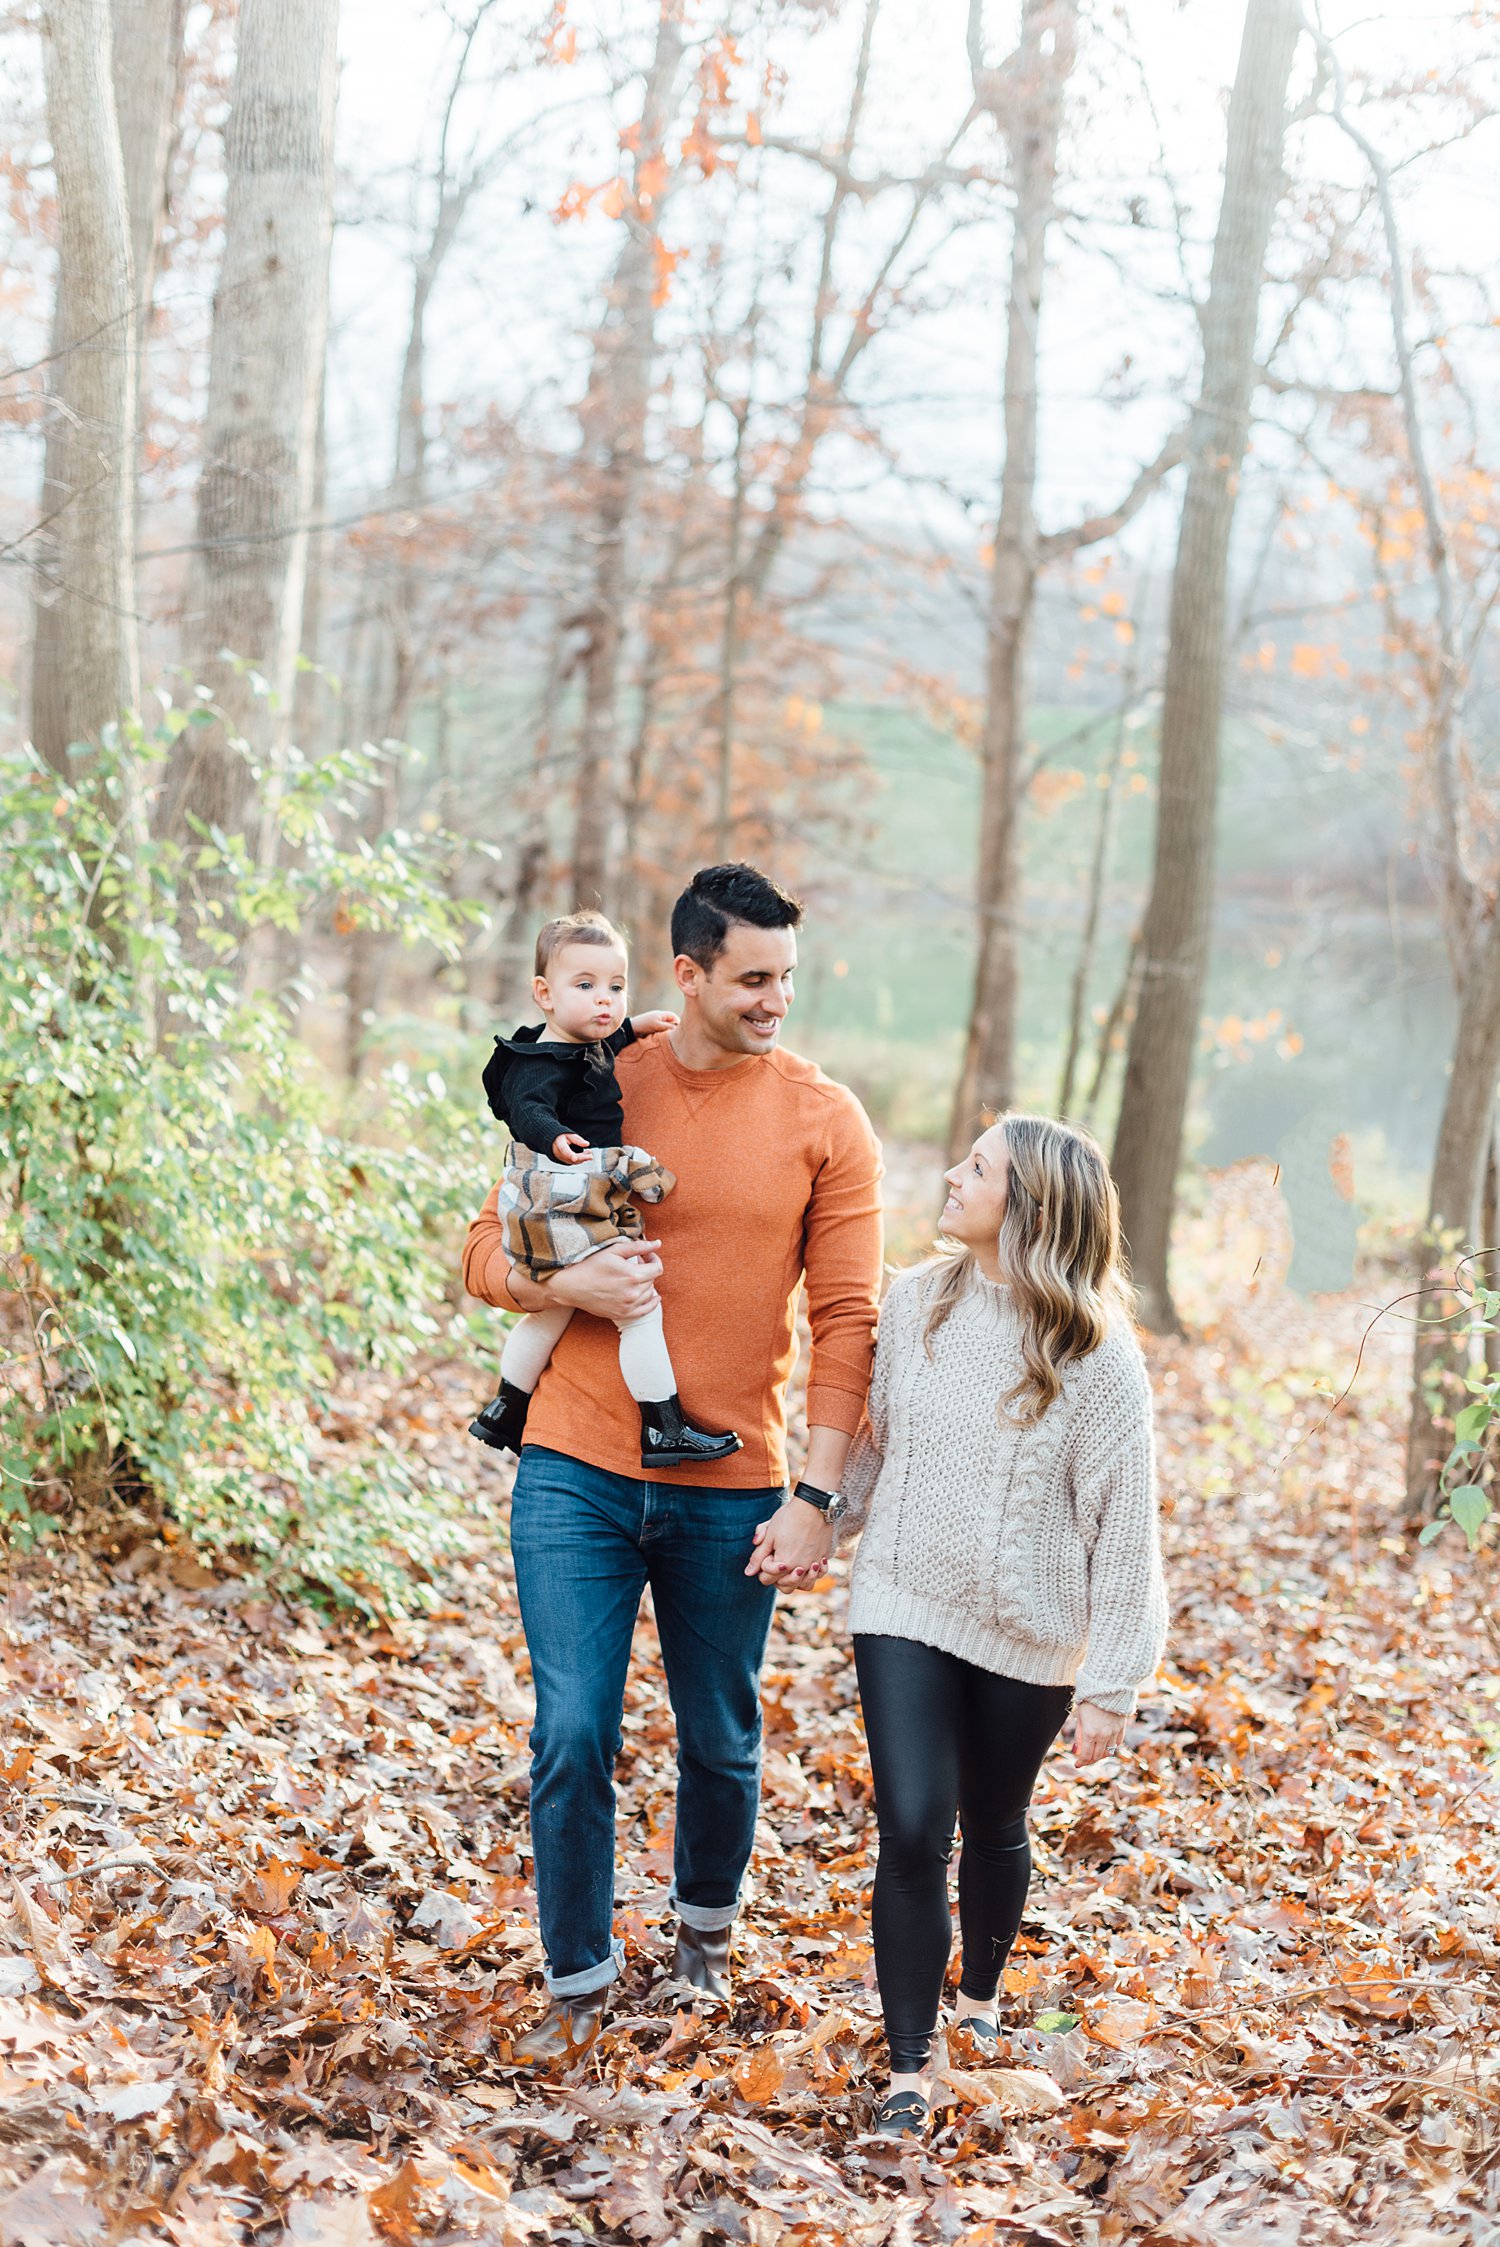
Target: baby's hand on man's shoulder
651	1025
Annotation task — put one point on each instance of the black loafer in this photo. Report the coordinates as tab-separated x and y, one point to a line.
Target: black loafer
903	2115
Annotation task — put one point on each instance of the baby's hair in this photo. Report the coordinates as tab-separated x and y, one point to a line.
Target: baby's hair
573	928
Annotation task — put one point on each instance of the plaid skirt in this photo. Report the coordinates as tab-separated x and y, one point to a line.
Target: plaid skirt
554	1215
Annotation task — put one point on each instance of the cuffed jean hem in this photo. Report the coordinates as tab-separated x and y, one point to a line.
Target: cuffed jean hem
588	1977
707	1919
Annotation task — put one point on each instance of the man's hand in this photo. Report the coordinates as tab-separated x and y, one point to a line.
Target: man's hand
570	1147
1095	1732
615	1283
651	1025
793	1546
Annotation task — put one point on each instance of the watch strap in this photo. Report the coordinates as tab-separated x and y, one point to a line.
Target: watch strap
813	1496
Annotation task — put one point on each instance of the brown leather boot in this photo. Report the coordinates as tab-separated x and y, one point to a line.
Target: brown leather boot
562	2035
701	1959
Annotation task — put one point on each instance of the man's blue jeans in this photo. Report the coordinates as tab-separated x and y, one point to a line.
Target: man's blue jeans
586	1544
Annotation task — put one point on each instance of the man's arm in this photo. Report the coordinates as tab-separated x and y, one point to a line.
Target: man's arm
617	1283
843	1243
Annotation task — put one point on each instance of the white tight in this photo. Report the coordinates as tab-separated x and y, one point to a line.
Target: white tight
645	1365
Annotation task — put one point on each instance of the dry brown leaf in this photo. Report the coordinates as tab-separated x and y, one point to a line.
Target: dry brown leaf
759	2075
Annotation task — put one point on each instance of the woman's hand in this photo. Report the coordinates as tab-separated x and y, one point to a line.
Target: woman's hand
1096	1732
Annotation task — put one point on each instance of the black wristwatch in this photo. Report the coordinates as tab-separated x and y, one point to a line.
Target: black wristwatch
831	1504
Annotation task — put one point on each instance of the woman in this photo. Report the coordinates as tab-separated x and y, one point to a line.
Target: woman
1005	1487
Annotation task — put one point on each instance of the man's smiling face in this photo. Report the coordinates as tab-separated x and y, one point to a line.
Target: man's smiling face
742	1000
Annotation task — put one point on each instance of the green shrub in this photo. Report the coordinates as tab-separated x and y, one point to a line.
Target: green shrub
193	1253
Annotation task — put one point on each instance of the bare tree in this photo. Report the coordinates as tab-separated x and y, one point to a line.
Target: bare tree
1026	101
147	65
1176	930
1464	1153
614	434
1110	777
265	375
454	185
1026	97
84	660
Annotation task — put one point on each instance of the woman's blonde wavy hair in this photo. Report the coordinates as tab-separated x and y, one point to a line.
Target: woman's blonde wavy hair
1061	1255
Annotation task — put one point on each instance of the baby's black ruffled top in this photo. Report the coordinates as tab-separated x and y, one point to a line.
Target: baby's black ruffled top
539	1087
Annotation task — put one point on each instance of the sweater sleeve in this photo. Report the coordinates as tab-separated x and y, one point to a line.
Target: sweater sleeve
486	1267
1114	1482
533	1088
841	1257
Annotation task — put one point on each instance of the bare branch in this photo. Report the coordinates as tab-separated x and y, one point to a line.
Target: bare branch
1055	544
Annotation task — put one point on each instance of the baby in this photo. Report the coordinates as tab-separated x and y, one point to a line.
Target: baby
567	1187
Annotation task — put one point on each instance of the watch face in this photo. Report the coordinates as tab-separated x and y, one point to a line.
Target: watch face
837	1507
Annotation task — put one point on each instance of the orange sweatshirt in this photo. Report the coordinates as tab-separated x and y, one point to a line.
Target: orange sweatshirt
778	1179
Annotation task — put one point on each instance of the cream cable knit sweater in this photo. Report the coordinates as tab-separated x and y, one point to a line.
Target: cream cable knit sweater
1032	1552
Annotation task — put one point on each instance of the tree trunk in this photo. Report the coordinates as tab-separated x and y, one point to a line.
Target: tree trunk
1039	73
1465	1137
84	658
264	383
147	66
729	647
1176	929
1121	1014
614	430
1083	968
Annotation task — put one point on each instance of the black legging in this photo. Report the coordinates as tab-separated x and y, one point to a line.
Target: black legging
946	1739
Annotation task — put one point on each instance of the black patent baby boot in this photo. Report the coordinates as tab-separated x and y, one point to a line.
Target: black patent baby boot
502	1424
669	1439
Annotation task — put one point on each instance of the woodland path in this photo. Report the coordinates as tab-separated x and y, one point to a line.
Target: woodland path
266	1932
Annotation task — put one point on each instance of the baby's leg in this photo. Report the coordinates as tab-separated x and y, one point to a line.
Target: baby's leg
645	1366
530	1343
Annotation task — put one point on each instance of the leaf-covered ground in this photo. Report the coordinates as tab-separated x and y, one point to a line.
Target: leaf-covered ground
266	1933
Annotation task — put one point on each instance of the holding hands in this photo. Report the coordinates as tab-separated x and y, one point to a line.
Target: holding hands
793	1546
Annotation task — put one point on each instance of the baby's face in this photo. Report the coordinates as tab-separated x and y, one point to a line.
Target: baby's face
583	992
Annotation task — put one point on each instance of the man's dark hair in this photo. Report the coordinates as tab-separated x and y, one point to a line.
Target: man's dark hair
715	898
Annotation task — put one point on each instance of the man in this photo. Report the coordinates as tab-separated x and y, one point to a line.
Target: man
777	1185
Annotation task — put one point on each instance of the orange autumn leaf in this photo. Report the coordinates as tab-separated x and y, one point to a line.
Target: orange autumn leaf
666	263
260	1946
272	1888
396	2205
651	178
612	201
759	2075
1122	2021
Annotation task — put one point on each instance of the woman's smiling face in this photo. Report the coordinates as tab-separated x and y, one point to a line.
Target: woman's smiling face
977	1189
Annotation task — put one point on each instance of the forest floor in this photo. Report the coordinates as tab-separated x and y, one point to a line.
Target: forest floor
266	1935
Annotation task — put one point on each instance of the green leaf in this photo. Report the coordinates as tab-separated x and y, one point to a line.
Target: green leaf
1055	2023
1470	1509
1473	1420
1434	1529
